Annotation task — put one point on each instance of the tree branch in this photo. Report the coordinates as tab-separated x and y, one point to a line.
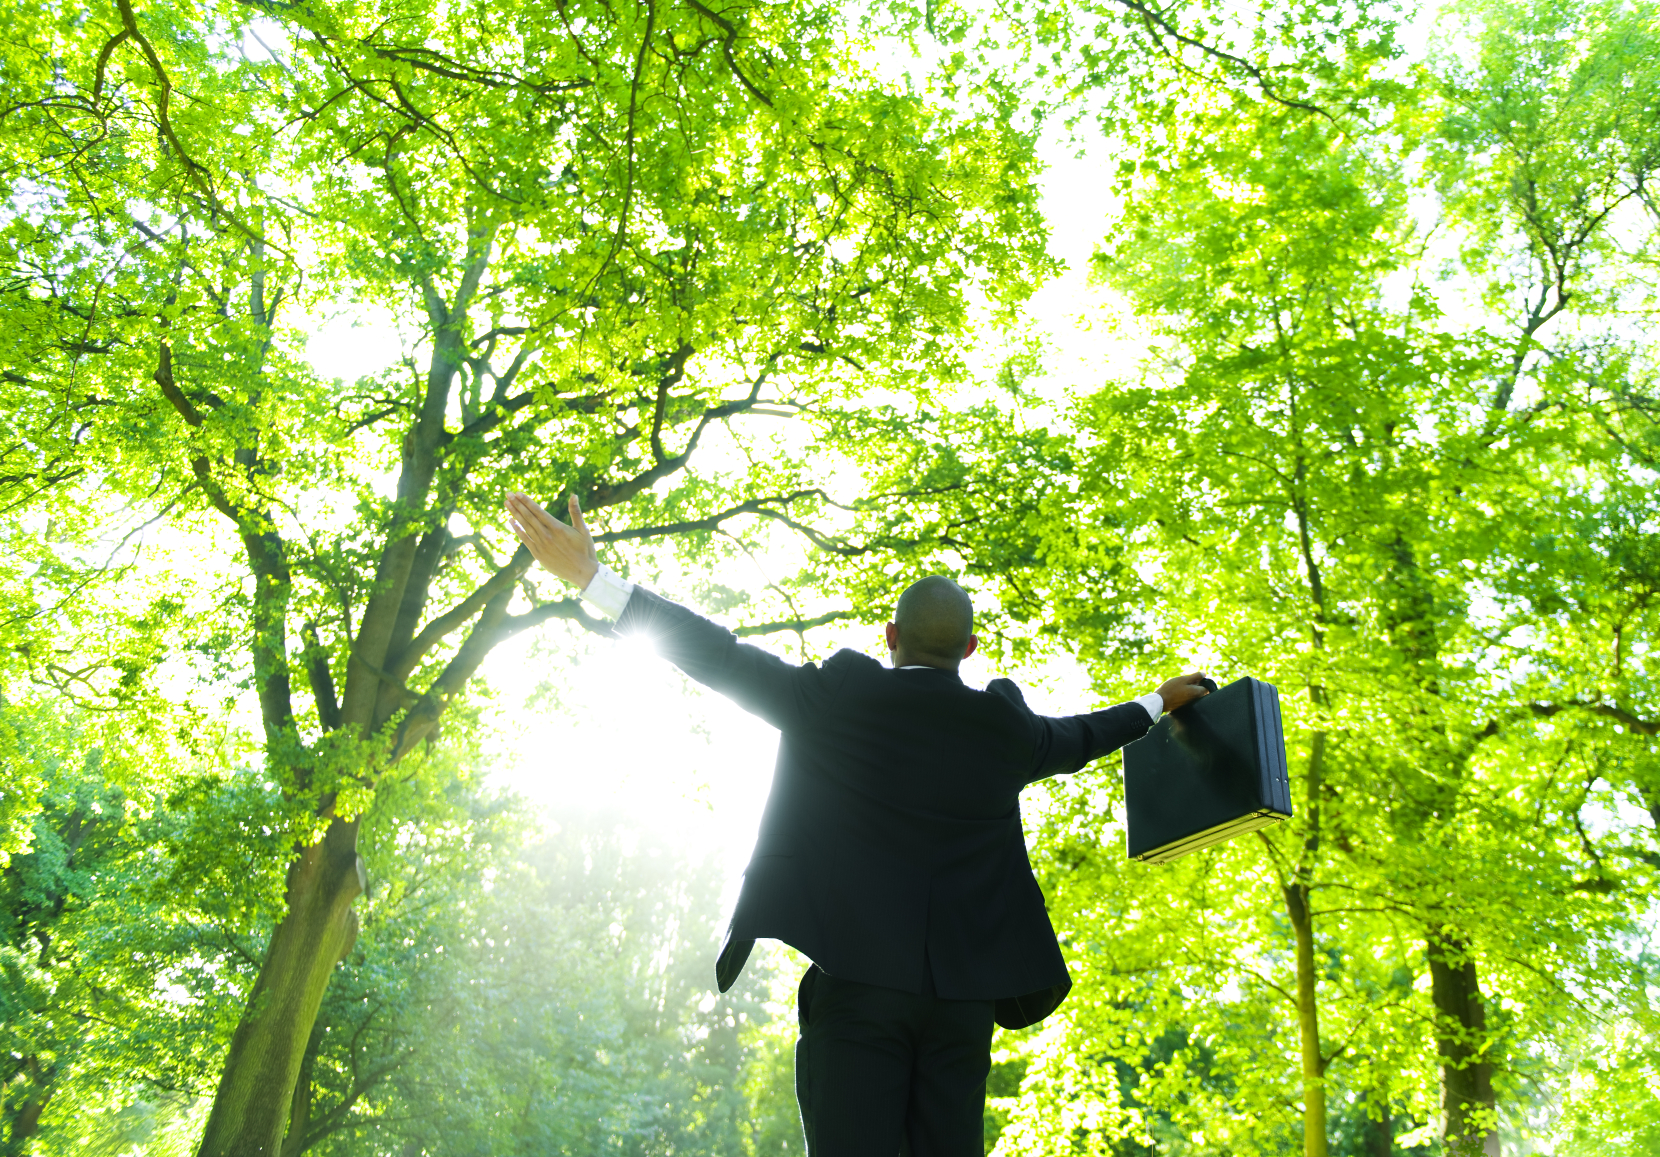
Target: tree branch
322	679
1156	20
731	31
198	172
1618	714
796	625
503	579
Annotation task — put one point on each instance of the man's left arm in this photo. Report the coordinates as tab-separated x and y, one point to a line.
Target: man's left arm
1069	743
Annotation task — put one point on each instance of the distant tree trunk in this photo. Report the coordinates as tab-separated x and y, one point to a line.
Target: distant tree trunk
1302	925
251	1107
1377	1138
1308	1022
37	1094
1461	1037
1467	1099
1299	888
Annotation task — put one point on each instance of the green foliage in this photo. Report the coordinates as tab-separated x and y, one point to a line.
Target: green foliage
1394	449
111	991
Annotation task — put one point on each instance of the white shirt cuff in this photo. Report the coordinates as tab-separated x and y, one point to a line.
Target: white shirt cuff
1154	702
607	593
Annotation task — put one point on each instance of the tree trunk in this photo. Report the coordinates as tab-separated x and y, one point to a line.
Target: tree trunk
25	1120
1297	891
1377	1138
250	1108
1461	1038
1308	1023
299	1111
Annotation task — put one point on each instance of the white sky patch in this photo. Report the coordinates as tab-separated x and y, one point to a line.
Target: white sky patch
354	345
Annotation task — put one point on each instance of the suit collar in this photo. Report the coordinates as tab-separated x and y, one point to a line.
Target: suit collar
930	671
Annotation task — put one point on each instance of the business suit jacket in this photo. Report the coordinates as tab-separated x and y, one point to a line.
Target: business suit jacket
891	841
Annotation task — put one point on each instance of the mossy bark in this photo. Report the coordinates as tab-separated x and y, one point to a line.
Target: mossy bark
251	1106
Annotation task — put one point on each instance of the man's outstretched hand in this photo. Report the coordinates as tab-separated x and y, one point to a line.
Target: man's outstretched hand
565	551
1182	690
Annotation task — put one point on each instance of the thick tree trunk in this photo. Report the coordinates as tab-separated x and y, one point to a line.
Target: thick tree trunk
250	1109
1461	1037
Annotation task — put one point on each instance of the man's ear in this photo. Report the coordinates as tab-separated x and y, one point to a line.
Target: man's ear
892	633
973	641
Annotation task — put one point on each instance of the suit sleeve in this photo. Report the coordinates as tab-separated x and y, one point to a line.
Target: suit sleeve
782	693
1070	742
1067	744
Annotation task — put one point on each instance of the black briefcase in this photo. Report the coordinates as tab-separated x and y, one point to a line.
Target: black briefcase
1211	770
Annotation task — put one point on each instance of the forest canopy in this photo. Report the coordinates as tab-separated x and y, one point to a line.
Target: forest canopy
767	288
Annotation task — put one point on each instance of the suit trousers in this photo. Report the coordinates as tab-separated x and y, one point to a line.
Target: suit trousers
879	1071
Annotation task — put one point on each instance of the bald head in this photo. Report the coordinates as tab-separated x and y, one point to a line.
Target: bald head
934	621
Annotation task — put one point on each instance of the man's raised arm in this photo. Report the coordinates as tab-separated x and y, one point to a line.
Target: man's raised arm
758	681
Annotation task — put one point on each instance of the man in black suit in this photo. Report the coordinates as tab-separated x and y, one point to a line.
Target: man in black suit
890	852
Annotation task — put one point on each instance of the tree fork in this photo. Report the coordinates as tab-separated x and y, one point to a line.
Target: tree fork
251	1105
